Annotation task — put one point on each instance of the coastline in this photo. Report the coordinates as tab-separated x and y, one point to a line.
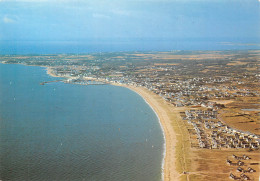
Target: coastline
162	128
50	73
169	170
161	109
190	162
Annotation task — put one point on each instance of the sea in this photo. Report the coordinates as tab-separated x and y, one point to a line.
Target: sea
59	132
62	132
126	45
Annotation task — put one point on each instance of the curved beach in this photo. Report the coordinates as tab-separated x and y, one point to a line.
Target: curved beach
160	107
162	110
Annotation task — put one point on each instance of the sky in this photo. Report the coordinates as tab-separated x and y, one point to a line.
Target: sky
78	20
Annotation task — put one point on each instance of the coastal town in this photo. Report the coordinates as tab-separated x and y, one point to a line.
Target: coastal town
216	94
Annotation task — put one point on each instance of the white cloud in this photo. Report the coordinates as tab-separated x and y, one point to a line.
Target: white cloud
240	44
7	19
102	16
121	12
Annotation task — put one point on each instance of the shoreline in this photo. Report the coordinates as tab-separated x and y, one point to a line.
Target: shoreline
169	171
184	157
50	73
156	103
162	128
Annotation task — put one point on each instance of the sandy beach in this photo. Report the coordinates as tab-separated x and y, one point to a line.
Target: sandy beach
162	110
182	161
167	117
49	72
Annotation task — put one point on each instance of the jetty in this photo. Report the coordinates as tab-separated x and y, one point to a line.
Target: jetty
85	81
47	82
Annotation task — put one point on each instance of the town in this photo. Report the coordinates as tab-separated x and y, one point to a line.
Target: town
218	91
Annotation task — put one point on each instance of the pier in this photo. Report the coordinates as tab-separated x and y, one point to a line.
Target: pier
86	82
47	82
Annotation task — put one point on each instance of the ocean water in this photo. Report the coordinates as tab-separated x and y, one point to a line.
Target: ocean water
63	132
111	45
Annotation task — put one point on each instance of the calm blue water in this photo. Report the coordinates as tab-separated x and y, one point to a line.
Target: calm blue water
111	45
62	132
